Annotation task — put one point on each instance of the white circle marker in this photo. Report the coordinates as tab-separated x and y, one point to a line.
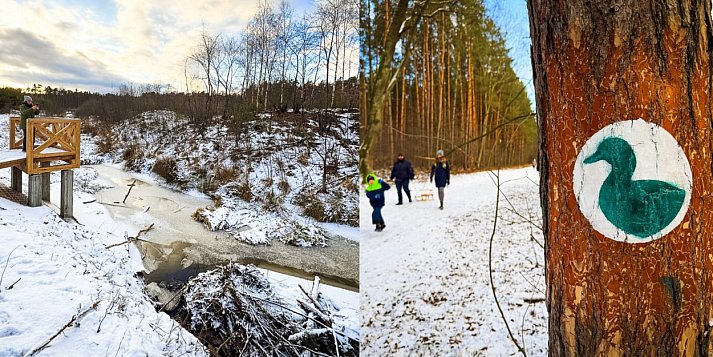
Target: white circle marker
638	206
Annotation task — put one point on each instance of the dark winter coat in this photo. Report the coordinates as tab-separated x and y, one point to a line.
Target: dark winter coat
442	173
402	170
26	112
376	197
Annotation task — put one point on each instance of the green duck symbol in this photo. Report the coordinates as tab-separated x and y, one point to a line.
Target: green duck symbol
638	207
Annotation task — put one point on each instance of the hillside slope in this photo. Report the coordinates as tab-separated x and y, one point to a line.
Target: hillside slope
268	173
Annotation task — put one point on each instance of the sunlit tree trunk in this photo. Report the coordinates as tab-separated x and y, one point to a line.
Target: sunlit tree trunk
597	62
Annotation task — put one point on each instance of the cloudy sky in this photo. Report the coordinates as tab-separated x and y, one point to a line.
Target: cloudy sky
98	45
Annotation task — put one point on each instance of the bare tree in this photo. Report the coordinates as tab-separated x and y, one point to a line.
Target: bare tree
285	35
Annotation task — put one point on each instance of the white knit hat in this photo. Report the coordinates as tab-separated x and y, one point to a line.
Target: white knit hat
439	153
26	99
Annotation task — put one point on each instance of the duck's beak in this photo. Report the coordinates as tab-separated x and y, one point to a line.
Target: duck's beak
593	158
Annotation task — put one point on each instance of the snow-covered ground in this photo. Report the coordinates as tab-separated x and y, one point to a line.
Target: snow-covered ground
424	279
59	270
54	270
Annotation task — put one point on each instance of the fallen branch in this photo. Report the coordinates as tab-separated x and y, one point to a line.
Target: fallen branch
133	239
297	337
6	262
311	309
112	204
177	294
71	322
88	202
131	186
314	302
13	284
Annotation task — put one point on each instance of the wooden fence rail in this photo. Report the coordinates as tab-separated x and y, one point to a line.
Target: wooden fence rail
53	144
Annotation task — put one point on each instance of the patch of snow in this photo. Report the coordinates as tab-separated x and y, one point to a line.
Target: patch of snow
425	285
60	269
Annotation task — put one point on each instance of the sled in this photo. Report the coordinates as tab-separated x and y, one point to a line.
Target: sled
424	195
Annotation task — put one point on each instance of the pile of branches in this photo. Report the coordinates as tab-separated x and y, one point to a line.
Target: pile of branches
234	311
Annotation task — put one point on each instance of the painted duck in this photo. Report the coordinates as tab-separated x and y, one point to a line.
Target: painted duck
637	207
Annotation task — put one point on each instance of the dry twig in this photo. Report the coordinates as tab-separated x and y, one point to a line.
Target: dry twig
71	322
127	193
490	266
133	239
13	284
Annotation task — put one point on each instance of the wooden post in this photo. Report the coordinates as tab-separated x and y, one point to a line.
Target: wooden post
45	182
67	191
16	179
34	191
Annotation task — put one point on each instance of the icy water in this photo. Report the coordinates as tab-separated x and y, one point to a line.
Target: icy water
181	247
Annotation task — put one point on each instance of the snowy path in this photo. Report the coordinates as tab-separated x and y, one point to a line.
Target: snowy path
425	286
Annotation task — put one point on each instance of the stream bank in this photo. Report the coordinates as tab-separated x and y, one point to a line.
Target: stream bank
179	247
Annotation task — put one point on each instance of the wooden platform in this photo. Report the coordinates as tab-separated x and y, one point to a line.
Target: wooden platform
10	158
56	141
54	145
16	157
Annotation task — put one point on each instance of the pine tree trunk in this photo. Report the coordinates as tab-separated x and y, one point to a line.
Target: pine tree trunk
596	63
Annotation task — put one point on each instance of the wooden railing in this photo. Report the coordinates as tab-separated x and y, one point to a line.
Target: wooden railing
56	144
14	128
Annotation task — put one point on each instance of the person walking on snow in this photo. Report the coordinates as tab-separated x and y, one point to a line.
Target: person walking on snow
27	111
442	171
401	173
375	192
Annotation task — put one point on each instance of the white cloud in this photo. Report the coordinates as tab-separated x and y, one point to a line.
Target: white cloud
143	41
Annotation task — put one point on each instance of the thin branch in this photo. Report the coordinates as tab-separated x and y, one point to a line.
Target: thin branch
6	262
133	239
490	268
13	284
491	131
131	186
71	322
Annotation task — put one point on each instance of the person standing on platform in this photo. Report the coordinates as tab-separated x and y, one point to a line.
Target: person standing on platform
27	111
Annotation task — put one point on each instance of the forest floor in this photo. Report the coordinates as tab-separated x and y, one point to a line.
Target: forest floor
425	283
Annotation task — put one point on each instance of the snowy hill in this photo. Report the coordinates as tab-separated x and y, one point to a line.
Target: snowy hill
425	284
267	173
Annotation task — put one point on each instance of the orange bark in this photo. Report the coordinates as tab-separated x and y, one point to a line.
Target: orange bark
595	65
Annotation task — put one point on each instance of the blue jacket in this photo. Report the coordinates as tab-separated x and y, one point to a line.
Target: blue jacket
376	197
442	171
402	170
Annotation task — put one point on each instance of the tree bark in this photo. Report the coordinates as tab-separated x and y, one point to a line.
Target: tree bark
382	84
597	62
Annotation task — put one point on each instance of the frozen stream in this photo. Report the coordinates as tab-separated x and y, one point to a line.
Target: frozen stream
181	247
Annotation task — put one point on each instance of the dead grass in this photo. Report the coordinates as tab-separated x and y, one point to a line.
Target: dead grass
133	156
226	174
166	167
